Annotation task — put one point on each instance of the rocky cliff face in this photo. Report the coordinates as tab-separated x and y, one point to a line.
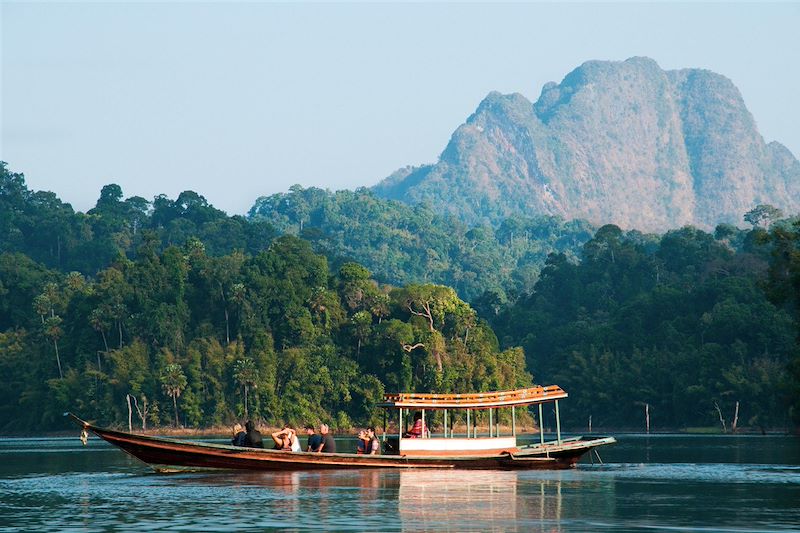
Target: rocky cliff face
615	142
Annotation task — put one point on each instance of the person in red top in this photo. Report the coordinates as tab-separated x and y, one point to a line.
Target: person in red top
418	429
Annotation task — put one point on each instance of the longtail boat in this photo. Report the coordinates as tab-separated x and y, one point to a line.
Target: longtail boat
466	449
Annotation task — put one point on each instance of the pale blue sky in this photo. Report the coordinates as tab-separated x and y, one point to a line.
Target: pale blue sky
237	100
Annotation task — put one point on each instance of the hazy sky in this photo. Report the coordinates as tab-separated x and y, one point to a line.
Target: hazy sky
237	100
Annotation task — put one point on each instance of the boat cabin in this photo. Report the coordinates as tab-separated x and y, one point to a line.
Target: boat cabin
465	408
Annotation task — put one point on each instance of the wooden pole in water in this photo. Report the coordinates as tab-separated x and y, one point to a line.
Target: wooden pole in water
130	414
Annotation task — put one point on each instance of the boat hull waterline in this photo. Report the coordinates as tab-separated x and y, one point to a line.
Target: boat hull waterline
165	454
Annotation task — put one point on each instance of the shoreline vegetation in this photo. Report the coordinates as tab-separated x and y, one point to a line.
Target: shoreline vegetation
460	430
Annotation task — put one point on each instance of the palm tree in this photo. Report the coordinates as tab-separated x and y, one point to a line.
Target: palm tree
173	381
246	374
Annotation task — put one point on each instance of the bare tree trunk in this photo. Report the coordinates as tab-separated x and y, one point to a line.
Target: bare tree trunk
721	420
105	341
119	327
58	359
130	413
735	418
590	423
175	405
142	412
246	415
647	417
227	328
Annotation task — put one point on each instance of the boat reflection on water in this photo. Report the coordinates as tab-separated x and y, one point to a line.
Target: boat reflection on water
434	497
495	499
409	499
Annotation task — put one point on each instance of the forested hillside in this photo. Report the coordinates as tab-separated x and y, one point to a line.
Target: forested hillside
682	325
199	339
401	244
275	336
203	318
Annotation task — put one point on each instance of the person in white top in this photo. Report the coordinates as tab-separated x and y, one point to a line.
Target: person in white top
286	439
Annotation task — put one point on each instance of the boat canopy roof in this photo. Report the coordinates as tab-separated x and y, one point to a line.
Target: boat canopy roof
481	400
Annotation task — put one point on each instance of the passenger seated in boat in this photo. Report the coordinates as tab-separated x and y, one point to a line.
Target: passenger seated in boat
239	435
418	429
361	445
328	444
253	437
314	439
286	439
373	444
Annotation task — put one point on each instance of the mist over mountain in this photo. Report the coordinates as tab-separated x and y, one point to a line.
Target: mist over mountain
615	142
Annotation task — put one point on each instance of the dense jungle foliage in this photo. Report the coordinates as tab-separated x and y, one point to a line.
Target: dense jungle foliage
197	318
404	244
681	326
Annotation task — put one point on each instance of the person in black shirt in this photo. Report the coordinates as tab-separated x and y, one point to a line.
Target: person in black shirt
314	440
253	437
239	435
328	444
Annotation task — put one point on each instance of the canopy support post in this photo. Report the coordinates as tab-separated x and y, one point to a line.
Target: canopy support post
558	425
490	422
384	425
424	427
445	423
514	420
467	423
400	426
541	425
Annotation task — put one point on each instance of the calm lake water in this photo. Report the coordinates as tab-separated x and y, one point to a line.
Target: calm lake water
664	482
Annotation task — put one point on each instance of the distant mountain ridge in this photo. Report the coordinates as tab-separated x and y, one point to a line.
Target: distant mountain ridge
615	142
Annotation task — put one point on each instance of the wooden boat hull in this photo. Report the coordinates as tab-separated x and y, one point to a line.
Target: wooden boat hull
164	454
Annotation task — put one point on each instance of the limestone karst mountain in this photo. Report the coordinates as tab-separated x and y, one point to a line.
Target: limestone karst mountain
615	142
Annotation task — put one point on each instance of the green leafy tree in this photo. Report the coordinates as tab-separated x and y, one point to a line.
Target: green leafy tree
173	382
246	375
762	214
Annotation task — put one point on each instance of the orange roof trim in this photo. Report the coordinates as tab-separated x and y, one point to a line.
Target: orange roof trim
483	400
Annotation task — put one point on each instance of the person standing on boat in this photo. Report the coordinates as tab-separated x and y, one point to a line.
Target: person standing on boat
418	429
328	444
314	439
239	435
373	444
253	438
